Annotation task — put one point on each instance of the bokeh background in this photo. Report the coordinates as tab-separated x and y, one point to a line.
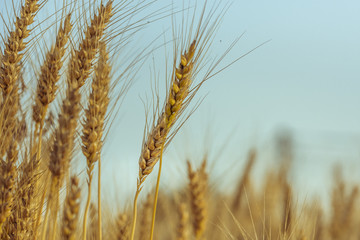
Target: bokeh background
300	89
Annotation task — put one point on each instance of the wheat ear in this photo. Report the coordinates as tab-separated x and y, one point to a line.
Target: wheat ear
153	148
198	186
93	125
243	181
22	216
71	211
123	227
182	229
49	76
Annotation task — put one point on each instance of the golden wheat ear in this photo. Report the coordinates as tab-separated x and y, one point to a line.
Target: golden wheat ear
123	225
50	73
198	182
243	181
154	145
71	211
182	227
93	126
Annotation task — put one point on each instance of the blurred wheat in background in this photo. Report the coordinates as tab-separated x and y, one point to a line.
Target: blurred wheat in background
63	77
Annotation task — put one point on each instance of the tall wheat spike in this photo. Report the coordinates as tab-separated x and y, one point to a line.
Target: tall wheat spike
10	71
93	126
154	145
50	73
198	187
71	211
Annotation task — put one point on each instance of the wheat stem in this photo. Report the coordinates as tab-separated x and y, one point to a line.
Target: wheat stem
99	199
134	214
86	210
156	196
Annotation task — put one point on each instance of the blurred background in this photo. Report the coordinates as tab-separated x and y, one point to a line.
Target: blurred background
297	96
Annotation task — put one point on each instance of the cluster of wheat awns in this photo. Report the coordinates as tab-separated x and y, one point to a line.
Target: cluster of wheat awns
36	156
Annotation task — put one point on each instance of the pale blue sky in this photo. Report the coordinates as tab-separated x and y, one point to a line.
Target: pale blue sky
305	79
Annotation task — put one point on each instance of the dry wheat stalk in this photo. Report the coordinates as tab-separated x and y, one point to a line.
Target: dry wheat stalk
145	221
92	230
71	211
197	187
93	125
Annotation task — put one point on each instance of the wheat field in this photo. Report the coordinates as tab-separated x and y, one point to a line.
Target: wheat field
65	107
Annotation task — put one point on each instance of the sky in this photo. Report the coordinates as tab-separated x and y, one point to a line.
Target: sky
304	81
